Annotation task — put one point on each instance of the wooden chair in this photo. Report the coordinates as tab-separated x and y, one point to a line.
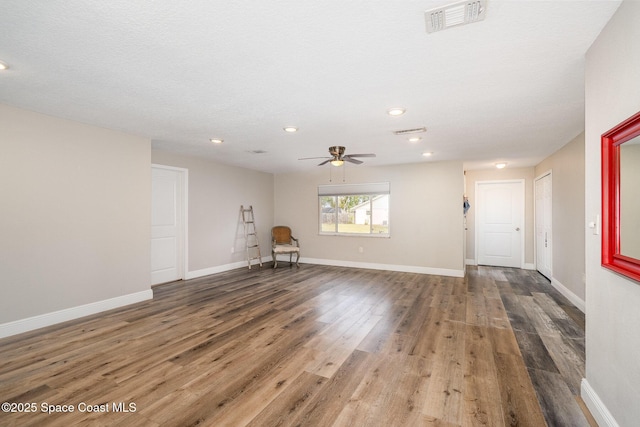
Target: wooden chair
282	242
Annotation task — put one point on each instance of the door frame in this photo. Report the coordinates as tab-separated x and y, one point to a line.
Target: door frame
183	223
479	202
535	223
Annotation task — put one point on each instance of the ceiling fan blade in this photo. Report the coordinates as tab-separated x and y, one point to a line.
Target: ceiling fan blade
361	155
338	154
350	160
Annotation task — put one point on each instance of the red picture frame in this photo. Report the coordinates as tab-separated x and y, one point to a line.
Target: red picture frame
611	142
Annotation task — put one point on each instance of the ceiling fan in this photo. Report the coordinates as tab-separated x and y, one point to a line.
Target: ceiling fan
338	157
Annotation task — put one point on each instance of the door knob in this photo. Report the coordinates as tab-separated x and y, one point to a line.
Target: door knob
517	228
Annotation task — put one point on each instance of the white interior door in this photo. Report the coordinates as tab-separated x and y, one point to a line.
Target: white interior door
500	223
167	224
543	224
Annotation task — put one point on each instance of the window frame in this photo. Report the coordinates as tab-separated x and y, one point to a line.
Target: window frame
372	191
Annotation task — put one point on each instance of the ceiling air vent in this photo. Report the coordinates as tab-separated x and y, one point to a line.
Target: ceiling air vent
460	13
408	131
257	151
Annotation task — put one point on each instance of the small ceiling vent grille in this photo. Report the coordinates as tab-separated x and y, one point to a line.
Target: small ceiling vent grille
460	13
409	131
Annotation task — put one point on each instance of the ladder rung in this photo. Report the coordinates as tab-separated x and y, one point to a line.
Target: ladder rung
254	246
251	234
248	222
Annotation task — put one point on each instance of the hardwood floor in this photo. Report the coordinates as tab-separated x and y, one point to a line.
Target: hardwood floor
314	346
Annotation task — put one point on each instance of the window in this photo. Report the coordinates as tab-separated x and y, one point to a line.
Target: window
354	209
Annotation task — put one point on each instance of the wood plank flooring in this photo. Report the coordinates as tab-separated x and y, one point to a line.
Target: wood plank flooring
314	346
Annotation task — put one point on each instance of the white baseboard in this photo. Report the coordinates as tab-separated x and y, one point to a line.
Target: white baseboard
575	300
373	266
525	266
596	406
222	268
390	267
48	319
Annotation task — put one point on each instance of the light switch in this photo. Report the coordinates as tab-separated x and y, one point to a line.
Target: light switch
595	225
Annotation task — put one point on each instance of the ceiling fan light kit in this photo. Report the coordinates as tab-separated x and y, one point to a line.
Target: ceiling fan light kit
338	157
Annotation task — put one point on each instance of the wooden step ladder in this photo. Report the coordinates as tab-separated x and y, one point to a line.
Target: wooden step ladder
250	235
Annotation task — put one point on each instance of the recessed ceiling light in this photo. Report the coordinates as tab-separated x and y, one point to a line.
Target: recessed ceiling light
414	139
427	154
217	140
396	111
501	165
290	129
3	66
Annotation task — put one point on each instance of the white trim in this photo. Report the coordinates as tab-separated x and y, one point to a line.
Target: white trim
597	408
351	189
524	214
542	175
338	234
575	300
390	267
184	212
172	168
338	263
48	319
526	266
225	267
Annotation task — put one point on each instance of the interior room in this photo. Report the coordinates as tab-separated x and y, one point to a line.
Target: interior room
439	163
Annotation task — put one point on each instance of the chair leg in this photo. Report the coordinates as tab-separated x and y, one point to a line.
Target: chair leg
275	259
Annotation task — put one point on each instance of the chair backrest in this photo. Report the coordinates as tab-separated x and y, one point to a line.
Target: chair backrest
281	234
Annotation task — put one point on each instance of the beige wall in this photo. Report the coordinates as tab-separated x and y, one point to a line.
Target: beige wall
473	176
75	214
612	93
216	192
567	167
425	216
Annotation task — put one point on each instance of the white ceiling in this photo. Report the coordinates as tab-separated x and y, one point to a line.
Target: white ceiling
508	88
